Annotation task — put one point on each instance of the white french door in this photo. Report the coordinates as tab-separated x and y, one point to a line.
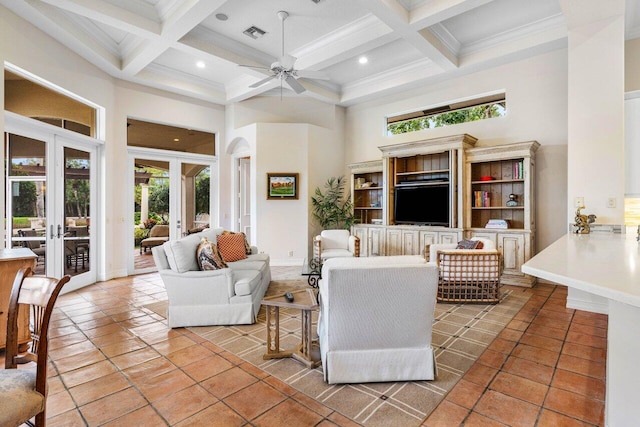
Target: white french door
51	185
176	189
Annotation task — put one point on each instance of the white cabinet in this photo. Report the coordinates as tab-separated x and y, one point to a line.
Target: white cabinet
376	239
372	239
402	241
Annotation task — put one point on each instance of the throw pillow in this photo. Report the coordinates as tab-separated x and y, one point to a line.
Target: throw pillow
469	244
208	256
232	247
247	246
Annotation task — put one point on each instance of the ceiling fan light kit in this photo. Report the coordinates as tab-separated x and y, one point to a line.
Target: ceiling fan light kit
283	69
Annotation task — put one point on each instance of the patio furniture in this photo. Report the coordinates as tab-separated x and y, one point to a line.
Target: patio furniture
157	236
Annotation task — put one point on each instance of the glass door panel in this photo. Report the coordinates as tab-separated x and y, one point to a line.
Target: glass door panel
196	190
26	196
77	219
151	208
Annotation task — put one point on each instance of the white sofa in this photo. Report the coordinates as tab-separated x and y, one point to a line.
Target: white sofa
376	317
227	296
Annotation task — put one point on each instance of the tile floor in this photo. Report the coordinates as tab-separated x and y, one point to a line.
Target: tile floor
115	363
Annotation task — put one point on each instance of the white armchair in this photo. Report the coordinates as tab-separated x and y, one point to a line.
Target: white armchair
335	244
376	317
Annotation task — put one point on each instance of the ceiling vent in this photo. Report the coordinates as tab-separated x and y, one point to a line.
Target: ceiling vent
254	32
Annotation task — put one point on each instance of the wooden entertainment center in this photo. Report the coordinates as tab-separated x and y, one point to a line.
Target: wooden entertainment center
481	180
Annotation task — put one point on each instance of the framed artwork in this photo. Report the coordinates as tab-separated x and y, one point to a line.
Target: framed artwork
282	185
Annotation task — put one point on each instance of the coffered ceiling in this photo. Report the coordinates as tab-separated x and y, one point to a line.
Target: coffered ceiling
408	43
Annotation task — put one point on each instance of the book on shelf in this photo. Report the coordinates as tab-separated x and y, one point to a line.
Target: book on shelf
518	169
481	199
497	223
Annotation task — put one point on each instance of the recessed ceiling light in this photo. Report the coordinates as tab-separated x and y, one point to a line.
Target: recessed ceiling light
363	60
200	64
176	139
221	17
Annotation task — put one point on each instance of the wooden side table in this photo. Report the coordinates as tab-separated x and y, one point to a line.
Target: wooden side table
304	300
12	260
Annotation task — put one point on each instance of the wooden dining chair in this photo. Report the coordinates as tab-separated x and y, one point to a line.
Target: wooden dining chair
23	392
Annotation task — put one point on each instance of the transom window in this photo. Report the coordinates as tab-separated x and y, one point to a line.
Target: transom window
479	108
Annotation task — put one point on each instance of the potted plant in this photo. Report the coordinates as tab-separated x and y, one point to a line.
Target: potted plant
332	209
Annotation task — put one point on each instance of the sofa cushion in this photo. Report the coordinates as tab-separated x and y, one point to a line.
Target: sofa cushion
181	253
335	239
232	247
246	281
247	246
208	256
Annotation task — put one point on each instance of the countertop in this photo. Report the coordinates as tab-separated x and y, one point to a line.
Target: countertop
604	264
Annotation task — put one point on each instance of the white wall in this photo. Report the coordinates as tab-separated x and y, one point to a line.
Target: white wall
301	135
536	90
596	107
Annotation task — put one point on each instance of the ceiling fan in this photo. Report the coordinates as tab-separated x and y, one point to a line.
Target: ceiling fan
284	70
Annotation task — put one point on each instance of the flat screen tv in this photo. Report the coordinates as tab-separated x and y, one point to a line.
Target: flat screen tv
424	205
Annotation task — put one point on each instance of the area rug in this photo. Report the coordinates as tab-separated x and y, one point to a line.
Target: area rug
461	332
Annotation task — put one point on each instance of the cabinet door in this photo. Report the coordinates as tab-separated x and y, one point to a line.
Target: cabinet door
410	242
448	237
427	238
376	241
361	233
512	247
394	241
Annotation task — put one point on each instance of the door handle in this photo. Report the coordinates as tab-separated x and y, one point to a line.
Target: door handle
59	231
52	234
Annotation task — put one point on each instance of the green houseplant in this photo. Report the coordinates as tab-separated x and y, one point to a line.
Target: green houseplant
332	209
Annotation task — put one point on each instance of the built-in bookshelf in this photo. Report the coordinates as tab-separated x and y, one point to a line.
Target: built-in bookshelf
492	184
423	169
367	192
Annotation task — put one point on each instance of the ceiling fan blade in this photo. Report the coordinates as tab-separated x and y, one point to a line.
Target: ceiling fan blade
293	84
287	61
310	74
263	81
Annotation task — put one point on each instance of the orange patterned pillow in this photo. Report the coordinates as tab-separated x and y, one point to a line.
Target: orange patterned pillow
232	247
208	256
247	246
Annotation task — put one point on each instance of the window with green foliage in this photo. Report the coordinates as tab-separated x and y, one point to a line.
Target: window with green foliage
485	107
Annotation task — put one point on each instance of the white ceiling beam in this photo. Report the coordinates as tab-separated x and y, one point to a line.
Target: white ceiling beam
182	87
214	44
392	13
49	19
182	20
356	38
111	15
437	11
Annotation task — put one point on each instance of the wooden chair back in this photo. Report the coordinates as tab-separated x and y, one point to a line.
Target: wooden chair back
39	294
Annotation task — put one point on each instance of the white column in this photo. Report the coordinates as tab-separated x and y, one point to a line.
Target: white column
144	202
596	107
